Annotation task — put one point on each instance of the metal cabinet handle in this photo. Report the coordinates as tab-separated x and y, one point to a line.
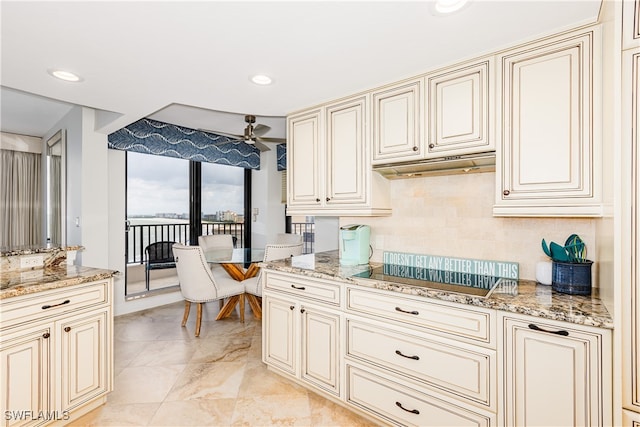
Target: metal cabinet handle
67	329
538	328
413	411
46	335
506	192
44	307
415	313
300	288
399	353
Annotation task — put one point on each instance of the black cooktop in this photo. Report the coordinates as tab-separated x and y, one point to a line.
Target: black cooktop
450	281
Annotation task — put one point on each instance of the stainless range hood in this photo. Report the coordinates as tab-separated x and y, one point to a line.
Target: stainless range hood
449	165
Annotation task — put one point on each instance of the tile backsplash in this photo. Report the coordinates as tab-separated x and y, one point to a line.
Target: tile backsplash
452	216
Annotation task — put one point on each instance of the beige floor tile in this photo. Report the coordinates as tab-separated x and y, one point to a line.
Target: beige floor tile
145	384
118	415
201	412
259	381
208	381
162	353
279	410
223	348
325	413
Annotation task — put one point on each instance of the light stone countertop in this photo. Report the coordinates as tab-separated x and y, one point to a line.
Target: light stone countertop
527	297
23	282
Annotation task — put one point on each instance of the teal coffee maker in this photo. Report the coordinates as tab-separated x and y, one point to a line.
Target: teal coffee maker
354	244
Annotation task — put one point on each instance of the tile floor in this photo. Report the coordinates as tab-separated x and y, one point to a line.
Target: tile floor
164	376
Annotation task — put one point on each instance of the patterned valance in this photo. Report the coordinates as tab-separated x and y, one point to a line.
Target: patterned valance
282	156
164	139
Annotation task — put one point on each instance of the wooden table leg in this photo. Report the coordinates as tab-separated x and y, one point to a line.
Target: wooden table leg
256	306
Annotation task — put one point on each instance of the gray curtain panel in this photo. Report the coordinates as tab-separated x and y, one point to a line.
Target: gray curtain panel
20	199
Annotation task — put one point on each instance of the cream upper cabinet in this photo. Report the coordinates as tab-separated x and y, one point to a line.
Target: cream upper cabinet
329	162
555	374
631	288
460	109
631	24
398	123
550	157
305	170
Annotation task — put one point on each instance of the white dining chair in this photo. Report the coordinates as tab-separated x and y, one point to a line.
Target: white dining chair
288	239
253	285
215	241
199	284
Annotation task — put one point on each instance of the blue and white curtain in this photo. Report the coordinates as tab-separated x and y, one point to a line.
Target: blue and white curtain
282	156
164	139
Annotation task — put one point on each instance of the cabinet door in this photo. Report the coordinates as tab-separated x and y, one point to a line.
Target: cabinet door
631	290
84	357
549	162
279	333
25	376
630	24
305	172
397	123
320	356
459	113
553	377
347	156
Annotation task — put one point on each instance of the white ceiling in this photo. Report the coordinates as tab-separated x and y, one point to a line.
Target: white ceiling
186	62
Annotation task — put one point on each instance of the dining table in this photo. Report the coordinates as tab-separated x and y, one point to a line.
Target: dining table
240	264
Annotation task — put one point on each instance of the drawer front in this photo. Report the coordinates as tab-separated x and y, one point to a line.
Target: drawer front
443	319
401	405
34	306
306	287
462	372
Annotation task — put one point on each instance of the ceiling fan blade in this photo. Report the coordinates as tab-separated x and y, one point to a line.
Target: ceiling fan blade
260	146
273	140
260	130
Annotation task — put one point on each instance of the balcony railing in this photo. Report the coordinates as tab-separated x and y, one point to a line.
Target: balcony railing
140	236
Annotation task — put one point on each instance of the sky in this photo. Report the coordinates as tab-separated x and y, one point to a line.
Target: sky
158	184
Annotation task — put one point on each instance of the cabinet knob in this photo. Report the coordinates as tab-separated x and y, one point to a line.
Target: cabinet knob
46	335
506	192
67	329
291	307
432	146
317	200
415	148
302	310
328	198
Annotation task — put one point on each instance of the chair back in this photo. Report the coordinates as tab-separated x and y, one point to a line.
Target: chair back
196	281
159	252
274	251
288	239
215	241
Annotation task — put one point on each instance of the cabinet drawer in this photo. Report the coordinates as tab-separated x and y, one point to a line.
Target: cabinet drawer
34	306
462	372
302	286
443	319
402	405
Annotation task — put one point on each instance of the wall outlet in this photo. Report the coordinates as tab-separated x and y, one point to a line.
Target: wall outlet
34	261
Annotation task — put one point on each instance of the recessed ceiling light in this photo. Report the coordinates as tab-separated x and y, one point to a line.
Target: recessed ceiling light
443	7
67	76
261	79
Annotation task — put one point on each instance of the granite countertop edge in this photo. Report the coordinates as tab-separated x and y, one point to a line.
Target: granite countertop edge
19	283
530	298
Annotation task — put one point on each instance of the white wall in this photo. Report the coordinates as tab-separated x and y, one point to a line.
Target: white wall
266	196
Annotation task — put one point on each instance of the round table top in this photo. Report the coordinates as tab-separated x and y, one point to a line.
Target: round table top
234	256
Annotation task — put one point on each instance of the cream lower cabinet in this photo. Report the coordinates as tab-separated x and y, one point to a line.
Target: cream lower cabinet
55	354
555	373
329	162
300	335
549	162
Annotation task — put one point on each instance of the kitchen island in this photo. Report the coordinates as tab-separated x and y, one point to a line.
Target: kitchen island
413	355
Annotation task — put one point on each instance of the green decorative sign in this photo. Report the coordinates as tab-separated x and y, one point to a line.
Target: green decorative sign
503	269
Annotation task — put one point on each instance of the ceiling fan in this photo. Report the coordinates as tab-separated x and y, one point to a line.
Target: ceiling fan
253	134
